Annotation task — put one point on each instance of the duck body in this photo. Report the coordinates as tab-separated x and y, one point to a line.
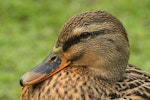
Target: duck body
88	62
77	84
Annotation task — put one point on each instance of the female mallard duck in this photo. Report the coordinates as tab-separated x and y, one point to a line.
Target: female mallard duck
89	61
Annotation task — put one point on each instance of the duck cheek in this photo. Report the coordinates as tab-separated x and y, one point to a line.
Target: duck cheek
74	54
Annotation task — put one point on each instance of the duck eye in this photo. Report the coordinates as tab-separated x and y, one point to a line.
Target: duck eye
85	35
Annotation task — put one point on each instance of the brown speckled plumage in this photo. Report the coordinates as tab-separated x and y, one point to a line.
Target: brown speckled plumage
99	67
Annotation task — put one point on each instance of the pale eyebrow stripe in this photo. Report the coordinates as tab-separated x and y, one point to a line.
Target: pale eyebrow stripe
94	27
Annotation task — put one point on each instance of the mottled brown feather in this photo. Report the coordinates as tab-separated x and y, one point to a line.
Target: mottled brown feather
76	84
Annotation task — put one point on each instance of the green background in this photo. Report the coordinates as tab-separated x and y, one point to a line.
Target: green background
28	31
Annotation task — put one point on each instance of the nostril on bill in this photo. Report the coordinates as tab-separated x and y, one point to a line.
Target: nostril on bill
52	59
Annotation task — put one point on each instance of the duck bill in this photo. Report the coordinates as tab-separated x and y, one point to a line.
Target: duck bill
50	66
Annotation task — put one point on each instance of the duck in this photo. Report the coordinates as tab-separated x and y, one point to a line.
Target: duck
88	62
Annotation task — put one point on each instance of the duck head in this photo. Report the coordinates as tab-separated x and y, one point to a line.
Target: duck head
95	40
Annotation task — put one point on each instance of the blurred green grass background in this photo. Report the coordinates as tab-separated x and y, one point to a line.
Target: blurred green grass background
28	31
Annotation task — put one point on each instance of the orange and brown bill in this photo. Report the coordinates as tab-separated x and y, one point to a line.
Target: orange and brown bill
50	66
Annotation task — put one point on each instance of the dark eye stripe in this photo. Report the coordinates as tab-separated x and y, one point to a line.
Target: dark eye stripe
84	35
76	39
94	33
